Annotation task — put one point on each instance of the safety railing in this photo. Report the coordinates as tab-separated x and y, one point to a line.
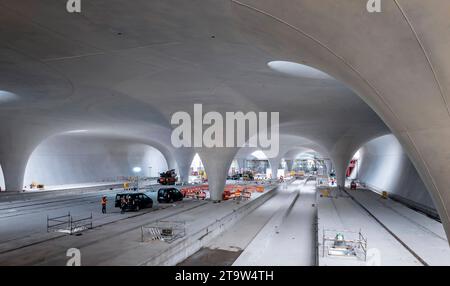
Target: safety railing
67	224
58	223
344	243
80	224
167	231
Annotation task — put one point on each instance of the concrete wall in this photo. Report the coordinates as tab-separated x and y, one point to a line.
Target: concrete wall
76	159
384	166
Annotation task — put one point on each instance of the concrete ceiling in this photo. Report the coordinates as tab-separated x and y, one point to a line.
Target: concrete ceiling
135	65
123	68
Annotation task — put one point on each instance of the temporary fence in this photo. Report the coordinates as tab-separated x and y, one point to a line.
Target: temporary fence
166	231
196	191
344	243
241	191
67	223
231	191
322	182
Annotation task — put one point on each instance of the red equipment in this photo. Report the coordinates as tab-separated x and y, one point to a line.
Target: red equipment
350	168
168	178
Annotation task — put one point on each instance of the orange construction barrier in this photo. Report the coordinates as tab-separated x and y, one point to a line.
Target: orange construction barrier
197	192
250	188
233	191
247	195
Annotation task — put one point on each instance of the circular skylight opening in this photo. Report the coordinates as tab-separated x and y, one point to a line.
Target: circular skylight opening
259	155
297	70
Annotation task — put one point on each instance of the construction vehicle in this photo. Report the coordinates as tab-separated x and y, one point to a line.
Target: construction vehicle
248	176
168	177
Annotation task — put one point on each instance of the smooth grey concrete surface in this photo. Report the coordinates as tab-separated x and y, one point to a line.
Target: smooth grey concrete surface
343	214
288	239
108	243
74	158
132	84
202	234
425	236
23	217
282	232
217	163
118	242
238	237
358	48
184	159
274	164
227	246
123	70
384	166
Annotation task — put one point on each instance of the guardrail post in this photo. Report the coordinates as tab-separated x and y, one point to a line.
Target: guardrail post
69	221
365	252
323	243
71	226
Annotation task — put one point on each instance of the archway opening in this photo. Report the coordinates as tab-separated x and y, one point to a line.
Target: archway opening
302	162
197	173
2	180
382	165
257	166
79	159
234	168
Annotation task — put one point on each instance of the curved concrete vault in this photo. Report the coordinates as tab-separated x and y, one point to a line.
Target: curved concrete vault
123	70
80	157
383	165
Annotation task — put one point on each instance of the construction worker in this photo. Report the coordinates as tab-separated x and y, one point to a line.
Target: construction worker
104	201
123	204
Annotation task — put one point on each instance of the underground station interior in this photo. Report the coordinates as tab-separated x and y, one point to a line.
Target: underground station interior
224	133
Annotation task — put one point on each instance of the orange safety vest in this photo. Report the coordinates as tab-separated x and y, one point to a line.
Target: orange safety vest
104	201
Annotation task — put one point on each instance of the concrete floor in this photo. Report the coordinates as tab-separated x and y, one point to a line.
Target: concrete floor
116	242
23	217
423	235
279	232
343	214
227	247
289	238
